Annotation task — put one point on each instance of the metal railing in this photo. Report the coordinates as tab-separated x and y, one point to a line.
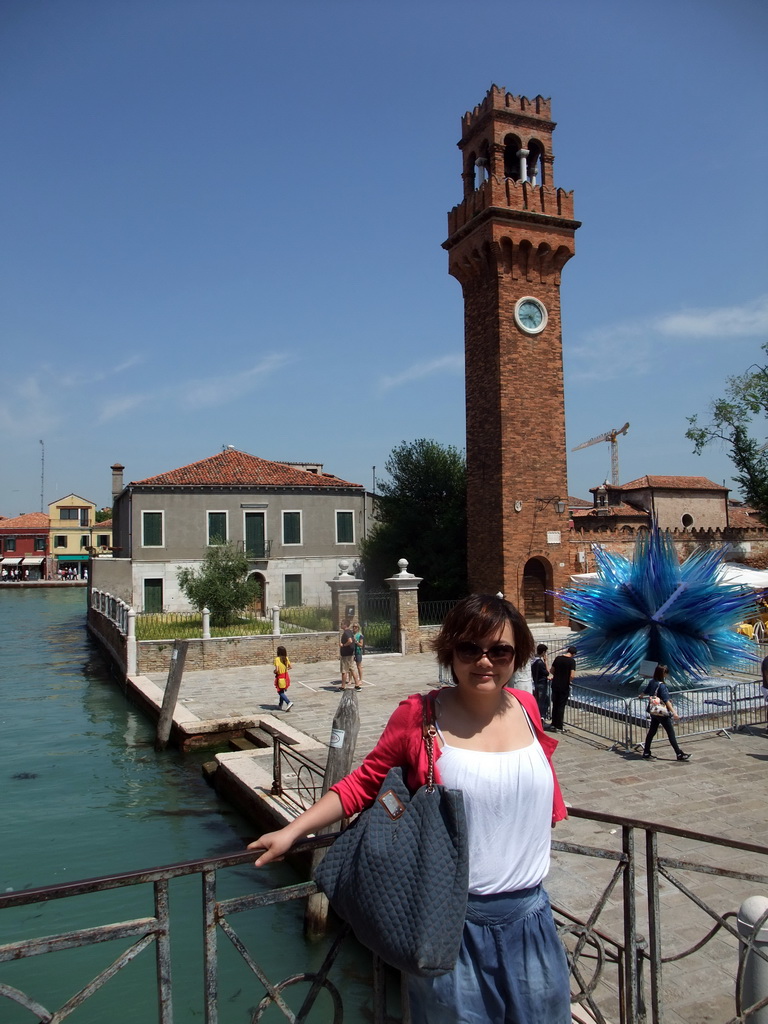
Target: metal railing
432	613
295	777
623	720
619	949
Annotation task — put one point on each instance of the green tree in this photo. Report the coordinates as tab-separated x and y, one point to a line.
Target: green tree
221	584
421	514
103	515
746	396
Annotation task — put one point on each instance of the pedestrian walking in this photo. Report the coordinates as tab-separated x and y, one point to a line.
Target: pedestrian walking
662	713
282	664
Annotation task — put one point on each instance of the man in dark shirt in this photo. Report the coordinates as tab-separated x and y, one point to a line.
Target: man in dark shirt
540	677
346	654
563	671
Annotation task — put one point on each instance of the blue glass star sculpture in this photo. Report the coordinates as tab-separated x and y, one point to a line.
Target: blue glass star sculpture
653	608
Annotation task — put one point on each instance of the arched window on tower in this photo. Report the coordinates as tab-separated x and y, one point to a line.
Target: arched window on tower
535	163
482	165
511	159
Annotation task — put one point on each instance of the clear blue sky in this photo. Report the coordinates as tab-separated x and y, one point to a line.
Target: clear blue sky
222	224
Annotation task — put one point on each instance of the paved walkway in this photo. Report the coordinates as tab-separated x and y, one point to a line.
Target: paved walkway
720	792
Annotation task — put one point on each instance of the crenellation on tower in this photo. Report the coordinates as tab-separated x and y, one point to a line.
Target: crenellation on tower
498	99
520	196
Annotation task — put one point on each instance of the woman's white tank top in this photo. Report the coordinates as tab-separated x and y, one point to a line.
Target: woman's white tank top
508	803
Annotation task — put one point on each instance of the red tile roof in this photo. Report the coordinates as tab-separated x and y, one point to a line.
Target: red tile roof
744	519
674	483
578	503
609	511
232	468
29	521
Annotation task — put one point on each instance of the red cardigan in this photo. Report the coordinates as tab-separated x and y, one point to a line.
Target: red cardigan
401	744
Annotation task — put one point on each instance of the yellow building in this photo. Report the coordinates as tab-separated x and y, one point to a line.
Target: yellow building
73	533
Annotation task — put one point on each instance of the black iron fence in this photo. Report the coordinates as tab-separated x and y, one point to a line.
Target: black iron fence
432	613
629	957
377	622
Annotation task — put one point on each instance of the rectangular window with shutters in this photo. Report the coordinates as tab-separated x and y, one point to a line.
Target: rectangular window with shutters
152	529
217	528
60	541
255	535
39	543
153	595
291	527
292	589
102	540
10	543
345	528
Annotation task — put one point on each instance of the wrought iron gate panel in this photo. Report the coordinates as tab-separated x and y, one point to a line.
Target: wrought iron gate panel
377	621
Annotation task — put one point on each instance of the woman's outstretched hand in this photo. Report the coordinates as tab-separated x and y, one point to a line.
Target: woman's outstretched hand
274	844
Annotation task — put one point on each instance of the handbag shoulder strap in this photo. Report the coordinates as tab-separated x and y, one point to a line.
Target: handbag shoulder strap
429	732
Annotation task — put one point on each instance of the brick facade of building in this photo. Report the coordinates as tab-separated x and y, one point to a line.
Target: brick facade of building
508	241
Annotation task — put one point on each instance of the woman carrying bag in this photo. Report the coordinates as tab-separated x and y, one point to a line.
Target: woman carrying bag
661	713
282	664
490	745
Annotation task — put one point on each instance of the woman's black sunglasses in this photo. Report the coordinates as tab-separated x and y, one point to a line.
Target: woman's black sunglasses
499	654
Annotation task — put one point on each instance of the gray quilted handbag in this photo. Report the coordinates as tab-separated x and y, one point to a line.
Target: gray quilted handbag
399	874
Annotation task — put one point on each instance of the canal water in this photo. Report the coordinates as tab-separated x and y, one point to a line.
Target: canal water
85	794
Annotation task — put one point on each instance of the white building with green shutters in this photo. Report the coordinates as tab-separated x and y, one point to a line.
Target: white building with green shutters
294	521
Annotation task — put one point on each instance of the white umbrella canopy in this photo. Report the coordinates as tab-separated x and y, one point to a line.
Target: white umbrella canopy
741	575
729	573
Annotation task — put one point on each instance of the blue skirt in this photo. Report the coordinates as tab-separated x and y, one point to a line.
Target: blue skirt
511	969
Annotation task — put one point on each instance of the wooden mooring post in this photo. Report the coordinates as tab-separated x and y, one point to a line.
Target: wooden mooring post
341	751
172	687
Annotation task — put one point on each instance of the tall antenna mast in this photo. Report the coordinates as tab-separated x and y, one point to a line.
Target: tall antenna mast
42	474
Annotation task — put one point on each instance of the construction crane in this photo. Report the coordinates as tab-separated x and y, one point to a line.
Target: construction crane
610	435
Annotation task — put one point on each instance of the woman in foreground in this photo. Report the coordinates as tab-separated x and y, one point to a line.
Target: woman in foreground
512	967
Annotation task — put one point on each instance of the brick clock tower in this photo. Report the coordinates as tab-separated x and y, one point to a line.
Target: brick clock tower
508	241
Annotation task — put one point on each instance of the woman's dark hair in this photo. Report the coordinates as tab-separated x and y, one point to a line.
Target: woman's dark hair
282	653
659	672
479	616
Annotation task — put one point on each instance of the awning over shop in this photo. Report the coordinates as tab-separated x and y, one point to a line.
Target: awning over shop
73	558
12	561
34	560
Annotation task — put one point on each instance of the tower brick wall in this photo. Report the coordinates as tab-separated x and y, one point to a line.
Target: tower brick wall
509	240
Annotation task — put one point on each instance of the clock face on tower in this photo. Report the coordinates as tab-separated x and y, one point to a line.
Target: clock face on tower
530	315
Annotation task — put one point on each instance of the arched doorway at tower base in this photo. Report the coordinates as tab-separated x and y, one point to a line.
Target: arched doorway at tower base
538	605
